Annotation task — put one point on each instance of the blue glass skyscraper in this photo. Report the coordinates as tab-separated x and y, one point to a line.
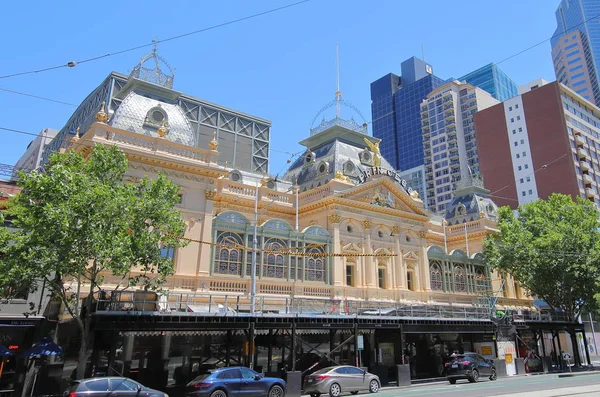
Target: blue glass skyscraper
396	112
493	80
576	46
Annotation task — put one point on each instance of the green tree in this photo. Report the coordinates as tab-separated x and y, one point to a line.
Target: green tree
552	248
79	220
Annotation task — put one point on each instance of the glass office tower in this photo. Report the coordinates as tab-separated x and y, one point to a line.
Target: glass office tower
395	110
492	79
576	47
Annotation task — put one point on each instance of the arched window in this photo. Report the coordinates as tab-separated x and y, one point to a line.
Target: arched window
481	283
435	274
274	259
315	265
460	282
228	255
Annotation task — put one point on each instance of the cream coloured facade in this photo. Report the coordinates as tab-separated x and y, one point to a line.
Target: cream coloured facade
361	242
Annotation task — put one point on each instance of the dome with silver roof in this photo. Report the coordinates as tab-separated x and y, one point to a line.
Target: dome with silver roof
144	115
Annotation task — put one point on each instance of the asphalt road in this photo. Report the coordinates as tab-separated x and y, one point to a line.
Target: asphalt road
523	386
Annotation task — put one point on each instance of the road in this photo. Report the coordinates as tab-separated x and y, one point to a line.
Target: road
524	386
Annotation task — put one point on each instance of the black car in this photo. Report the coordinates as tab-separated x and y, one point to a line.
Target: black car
110	386
471	366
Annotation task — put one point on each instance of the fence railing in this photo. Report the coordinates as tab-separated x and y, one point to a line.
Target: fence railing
240	305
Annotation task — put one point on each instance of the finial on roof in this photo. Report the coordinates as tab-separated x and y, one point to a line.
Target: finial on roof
154	74
102	116
163	130
338	93
214	144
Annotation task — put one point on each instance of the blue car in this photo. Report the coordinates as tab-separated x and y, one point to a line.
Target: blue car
235	382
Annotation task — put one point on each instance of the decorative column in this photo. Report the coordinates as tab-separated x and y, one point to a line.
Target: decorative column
399	261
370	268
204	259
426	285
337	268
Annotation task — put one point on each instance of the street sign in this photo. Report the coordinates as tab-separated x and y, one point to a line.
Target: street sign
360	342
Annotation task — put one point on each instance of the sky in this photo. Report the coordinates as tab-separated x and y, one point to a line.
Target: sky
280	66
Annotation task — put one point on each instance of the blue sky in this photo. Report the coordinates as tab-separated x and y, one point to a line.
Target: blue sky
280	66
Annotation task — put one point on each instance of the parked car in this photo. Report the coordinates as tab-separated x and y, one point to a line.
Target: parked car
340	379
469	366
235	382
113	386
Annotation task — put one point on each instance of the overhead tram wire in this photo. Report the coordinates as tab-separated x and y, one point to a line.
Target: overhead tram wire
71	64
37	97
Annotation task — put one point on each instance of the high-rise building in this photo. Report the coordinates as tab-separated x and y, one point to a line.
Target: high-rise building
450	147
31	159
243	139
545	140
395	110
492	79
576	47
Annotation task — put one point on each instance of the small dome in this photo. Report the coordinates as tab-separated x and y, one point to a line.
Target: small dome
145	115
470	204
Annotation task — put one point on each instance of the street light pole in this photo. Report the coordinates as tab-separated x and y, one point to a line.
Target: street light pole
297	205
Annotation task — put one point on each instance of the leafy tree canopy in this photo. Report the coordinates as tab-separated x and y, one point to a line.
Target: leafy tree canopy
552	247
80	220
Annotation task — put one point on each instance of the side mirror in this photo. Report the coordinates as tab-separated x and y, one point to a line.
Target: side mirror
139	388
257	377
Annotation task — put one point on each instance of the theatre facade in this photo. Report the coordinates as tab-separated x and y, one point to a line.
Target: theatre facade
349	266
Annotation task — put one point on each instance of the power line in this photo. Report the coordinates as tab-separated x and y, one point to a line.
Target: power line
71	64
38	97
548	39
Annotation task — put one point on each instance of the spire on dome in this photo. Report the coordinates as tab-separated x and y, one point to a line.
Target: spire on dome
154	74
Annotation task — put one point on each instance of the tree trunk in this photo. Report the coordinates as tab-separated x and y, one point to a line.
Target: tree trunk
85	330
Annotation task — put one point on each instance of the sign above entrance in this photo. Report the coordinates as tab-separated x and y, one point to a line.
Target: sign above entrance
372	171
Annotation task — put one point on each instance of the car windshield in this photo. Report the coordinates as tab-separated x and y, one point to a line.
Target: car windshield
323	371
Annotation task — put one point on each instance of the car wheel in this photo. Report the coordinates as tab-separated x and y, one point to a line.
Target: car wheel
493	375
276	391
373	386
354	392
452	381
335	390
474	376
218	393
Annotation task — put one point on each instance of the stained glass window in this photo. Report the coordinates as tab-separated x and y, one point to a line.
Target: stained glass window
460	282
436	277
228	255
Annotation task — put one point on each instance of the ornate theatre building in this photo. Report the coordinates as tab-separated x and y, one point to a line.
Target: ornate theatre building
349	267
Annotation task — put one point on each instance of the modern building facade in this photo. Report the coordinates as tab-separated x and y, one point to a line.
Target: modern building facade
576	47
395	110
493	80
244	139
546	140
449	144
32	158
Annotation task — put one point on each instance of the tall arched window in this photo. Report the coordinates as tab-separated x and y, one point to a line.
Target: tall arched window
481	283
228	255
460	282
435	274
274	259
315	265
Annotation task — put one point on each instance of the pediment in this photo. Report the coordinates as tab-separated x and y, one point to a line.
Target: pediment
384	193
351	247
410	256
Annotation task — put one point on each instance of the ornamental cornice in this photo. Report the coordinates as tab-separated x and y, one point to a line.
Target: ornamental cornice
168	165
367	224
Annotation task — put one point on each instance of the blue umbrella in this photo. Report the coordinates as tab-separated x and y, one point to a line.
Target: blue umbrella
5	352
45	348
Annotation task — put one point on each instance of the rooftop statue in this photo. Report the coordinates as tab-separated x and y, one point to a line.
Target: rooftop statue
376	153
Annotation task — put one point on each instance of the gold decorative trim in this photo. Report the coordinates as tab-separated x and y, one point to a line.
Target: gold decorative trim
367	224
102	116
422	234
335	218
210	194
214	144
395	230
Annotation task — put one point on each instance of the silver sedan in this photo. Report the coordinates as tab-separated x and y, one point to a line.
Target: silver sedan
337	380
